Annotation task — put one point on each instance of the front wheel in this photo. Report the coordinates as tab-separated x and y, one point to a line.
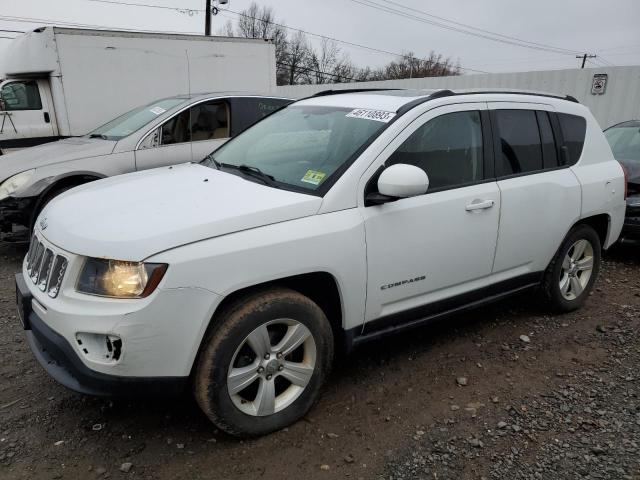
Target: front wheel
263	362
574	269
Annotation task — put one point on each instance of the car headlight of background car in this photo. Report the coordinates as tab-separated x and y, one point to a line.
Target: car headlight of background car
13	184
120	279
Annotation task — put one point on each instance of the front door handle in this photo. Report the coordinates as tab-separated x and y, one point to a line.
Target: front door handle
479	205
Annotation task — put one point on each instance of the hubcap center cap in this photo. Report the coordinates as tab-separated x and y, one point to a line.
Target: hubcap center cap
272	366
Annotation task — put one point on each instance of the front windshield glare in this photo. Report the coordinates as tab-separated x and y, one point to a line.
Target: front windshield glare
134	120
300	146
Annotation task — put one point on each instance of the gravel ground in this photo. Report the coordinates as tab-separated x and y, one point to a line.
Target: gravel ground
504	392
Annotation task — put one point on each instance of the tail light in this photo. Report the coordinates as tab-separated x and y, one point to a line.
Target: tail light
626	180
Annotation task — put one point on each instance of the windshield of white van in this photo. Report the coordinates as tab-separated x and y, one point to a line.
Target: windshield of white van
299	146
134	120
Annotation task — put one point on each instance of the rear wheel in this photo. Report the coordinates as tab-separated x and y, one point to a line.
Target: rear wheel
574	269
263	363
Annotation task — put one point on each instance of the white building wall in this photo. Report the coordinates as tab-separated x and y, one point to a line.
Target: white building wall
621	100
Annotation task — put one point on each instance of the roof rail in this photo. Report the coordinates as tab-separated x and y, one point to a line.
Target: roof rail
351	90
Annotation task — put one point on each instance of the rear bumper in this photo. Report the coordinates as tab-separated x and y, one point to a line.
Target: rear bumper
631	228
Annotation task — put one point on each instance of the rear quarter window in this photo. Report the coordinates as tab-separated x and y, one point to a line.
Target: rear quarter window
574	129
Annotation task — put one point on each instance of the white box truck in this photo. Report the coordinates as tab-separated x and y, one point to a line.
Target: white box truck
62	82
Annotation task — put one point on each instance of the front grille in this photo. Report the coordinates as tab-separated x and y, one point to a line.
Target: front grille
45	268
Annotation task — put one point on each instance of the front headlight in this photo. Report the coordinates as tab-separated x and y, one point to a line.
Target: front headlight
120	279
13	184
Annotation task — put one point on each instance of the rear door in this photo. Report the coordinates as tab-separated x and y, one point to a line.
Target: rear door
210	127
169	144
540	196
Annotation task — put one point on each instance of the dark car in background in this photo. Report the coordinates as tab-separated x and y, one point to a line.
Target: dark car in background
624	139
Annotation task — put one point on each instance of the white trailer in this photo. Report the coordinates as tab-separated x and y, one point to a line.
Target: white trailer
62	82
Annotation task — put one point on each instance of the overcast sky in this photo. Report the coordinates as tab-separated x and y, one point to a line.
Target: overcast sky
608	29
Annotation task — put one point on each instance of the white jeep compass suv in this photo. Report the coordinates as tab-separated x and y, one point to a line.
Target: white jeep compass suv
337	220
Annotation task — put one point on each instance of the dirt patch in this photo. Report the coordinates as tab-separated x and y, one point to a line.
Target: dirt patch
392	409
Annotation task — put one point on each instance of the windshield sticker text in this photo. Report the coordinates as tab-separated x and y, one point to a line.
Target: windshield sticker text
376	115
313	177
157	110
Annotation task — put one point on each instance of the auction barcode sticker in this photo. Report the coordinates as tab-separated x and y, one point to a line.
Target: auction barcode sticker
377	115
157	110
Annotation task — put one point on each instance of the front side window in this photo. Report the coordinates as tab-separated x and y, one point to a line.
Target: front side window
21	96
520	148
448	148
299	146
176	129
135	119
209	121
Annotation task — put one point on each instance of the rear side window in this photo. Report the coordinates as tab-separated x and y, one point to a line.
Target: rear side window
267	106
573	129
520	148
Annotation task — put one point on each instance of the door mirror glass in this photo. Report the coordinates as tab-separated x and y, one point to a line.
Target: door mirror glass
151	141
402	180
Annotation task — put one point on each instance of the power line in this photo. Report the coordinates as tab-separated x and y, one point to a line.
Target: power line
306	69
345	42
479	29
370	4
189	11
85	25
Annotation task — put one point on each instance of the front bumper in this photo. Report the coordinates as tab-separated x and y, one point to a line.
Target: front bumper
160	337
15	218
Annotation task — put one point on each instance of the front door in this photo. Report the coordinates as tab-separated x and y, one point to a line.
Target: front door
169	144
25	112
440	244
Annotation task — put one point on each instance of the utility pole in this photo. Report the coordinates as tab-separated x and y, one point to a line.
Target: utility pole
584	58
207	18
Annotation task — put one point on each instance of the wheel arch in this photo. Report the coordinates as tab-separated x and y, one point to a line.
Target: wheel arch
74	179
320	286
601	223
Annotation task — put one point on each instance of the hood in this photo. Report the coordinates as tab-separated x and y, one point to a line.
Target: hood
73	148
131	217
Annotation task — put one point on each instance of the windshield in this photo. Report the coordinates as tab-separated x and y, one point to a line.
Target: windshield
299	146
135	119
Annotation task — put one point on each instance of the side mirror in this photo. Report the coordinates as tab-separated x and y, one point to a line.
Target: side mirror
399	181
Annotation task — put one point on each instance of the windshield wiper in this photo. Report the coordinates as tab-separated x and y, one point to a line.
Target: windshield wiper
251	171
256	172
98	135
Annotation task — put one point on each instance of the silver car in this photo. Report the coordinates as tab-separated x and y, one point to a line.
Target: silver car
169	131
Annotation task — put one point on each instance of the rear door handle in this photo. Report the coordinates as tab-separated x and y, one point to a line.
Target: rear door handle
479	205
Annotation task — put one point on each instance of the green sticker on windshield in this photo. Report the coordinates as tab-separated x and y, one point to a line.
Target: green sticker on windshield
314	177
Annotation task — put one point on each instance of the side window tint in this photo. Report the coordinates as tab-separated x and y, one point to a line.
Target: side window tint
574	129
549	151
21	96
520	149
209	121
176	130
448	148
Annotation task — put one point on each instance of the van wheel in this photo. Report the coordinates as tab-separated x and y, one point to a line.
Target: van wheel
574	269
262	364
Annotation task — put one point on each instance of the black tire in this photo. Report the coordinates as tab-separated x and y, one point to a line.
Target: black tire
554	272
230	329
